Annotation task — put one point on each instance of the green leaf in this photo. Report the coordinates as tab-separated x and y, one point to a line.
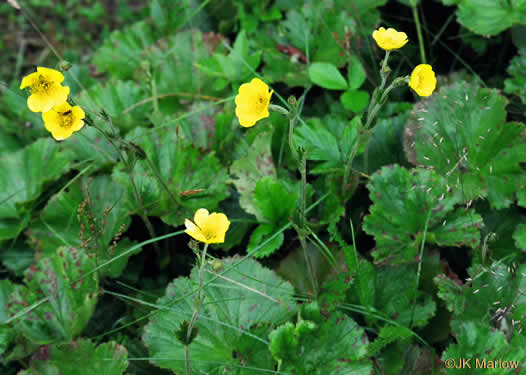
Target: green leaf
462	134
234	66
386	144
395	293
121	53
386	336
516	84
6	332
8	143
174	65
494	291
327	76
90	145
26	172
520	236
100	203
296	270
484	344
82	355
329	140
233	323
255	165
319	345
118	99
157	14
355	100
355	73
65	298
260	235
491	17
402	201
193	179
498	233
274	201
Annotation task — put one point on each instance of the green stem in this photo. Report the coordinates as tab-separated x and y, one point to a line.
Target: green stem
419	31
198	302
155	96
161	181
302	168
109	139
371	113
292	124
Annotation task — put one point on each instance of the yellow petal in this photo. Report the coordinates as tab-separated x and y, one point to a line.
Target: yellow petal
245	119
51	74
62	107
201	217
61	134
51	121
40	102
259	85
29	80
61	94
216	227
193	231
78	115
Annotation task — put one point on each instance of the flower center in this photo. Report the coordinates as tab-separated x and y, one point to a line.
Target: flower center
42	85
258	104
66	119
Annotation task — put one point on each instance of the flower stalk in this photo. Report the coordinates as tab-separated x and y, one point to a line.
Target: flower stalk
198	301
301	158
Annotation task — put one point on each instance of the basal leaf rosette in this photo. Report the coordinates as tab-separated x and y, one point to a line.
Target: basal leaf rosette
241	306
402	200
462	134
320	345
80	357
65	295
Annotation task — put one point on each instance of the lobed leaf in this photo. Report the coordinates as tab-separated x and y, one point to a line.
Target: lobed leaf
461	133
239	310
82	355
65	299
321	345
402	201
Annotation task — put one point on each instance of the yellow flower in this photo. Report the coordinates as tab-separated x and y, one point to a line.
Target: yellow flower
423	80
389	39
46	90
208	228
252	102
63	120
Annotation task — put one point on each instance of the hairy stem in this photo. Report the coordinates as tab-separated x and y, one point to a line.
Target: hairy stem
197	307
